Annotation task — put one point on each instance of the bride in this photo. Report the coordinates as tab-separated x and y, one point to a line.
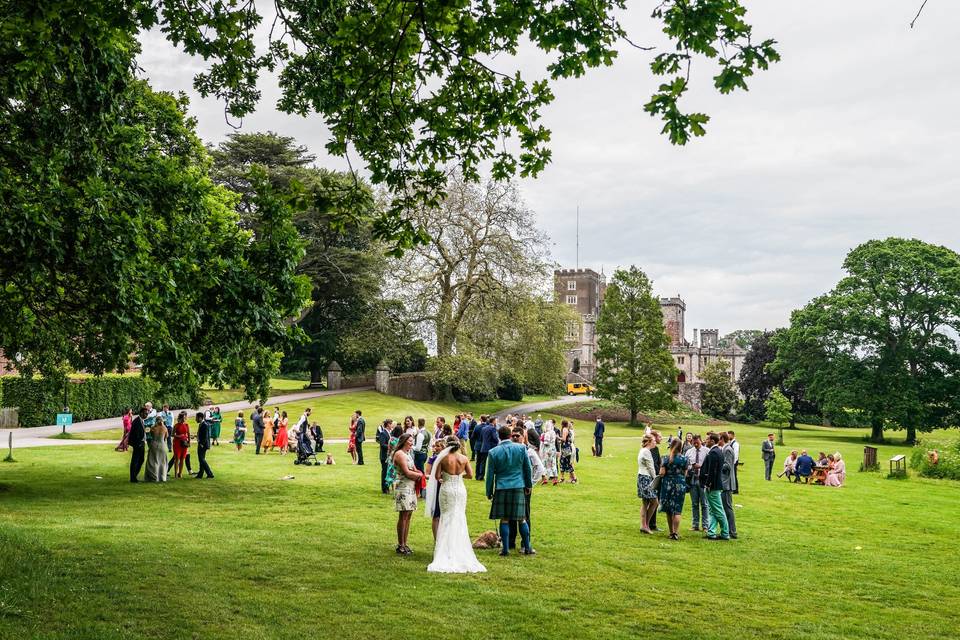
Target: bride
446	493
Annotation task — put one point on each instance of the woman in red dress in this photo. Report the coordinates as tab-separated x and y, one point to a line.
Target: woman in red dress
127	423
352	446
282	439
181	442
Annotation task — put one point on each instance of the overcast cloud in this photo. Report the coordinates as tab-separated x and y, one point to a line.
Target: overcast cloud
853	136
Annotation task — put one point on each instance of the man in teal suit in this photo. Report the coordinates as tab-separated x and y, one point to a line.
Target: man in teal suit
509	481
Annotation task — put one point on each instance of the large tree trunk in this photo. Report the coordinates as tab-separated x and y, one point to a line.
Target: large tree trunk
876	430
633	416
911	434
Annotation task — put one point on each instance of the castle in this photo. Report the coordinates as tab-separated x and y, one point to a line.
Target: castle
583	289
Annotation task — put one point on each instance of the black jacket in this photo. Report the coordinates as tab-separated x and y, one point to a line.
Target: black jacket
361	435
655	452
138	433
203	434
710	472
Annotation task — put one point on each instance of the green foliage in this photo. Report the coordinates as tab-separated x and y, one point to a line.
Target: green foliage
635	366
948	459
778	408
468	378
120	242
881	342
719	394
411	88
742	338
509	387
41	399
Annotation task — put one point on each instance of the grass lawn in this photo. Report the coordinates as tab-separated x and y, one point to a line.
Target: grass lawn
248	555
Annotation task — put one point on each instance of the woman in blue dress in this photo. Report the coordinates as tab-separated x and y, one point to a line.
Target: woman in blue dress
673	486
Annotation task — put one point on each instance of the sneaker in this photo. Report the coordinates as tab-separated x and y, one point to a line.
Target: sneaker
529	552
722	538
694	528
733	536
504	553
711	537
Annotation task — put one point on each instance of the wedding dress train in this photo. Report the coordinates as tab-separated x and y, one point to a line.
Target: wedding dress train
453	552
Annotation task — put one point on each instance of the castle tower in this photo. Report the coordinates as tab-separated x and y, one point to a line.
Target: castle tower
583	290
673	310
709	338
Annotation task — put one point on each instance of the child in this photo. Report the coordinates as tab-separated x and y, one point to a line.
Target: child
239	430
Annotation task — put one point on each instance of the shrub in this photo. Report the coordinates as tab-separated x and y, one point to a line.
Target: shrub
40	399
947	465
467	378
509	387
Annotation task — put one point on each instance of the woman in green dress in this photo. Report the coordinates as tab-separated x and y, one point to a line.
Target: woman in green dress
673	486
217	420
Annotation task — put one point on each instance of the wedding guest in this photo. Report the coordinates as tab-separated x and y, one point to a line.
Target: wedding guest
421	444
126	419
216	422
181	444
316	432
567	437
303	424
548	452
352	442
239	430
405	494
646	472
673	487
266	442
598	430
167	416
203	445
655	454
439	424
528	436
283	437
711	480
696	455
769	454
361	436
156	470
409	426
509	481
383	439
838	474
803	468
462	430
789	465
258	426
687	442
137	442
728	481
488	440
395	435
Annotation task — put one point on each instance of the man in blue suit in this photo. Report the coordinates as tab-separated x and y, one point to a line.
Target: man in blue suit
487	439
509	481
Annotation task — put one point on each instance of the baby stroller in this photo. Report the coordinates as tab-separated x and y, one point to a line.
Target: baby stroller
305	454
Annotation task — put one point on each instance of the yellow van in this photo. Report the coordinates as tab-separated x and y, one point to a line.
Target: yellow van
579	389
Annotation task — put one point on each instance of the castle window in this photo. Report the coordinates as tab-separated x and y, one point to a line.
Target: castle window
571	285
680	360
571	299
573	331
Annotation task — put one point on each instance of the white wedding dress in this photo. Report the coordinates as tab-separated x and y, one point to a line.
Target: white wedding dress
453	552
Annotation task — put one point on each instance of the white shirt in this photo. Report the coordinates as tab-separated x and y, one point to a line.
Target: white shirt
418	440
645	463
695	456
736	450
301	422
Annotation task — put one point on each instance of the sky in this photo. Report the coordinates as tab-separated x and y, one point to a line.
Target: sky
851	137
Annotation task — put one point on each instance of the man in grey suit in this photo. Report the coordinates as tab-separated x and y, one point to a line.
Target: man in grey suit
728	481
769	455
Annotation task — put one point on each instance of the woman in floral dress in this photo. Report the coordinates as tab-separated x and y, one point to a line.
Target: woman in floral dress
673	487
548	452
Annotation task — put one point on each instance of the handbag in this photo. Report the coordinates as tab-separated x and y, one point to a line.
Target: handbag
655	485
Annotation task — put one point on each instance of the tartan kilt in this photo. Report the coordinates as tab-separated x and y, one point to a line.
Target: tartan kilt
509	504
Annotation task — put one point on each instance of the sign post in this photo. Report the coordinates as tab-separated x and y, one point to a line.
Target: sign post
64	420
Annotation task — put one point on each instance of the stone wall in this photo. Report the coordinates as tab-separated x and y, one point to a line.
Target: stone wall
412	386
353	382
691	394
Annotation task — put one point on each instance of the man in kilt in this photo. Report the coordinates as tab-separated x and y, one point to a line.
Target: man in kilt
509	481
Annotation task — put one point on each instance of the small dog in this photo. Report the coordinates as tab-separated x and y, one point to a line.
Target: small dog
487	540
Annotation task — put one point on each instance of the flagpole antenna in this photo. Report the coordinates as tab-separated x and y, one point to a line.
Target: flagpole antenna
578	237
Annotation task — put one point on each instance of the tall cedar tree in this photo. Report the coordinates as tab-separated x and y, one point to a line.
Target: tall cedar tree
883	342
635	367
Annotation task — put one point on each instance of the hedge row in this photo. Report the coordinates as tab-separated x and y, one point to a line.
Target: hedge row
947	460
40	400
